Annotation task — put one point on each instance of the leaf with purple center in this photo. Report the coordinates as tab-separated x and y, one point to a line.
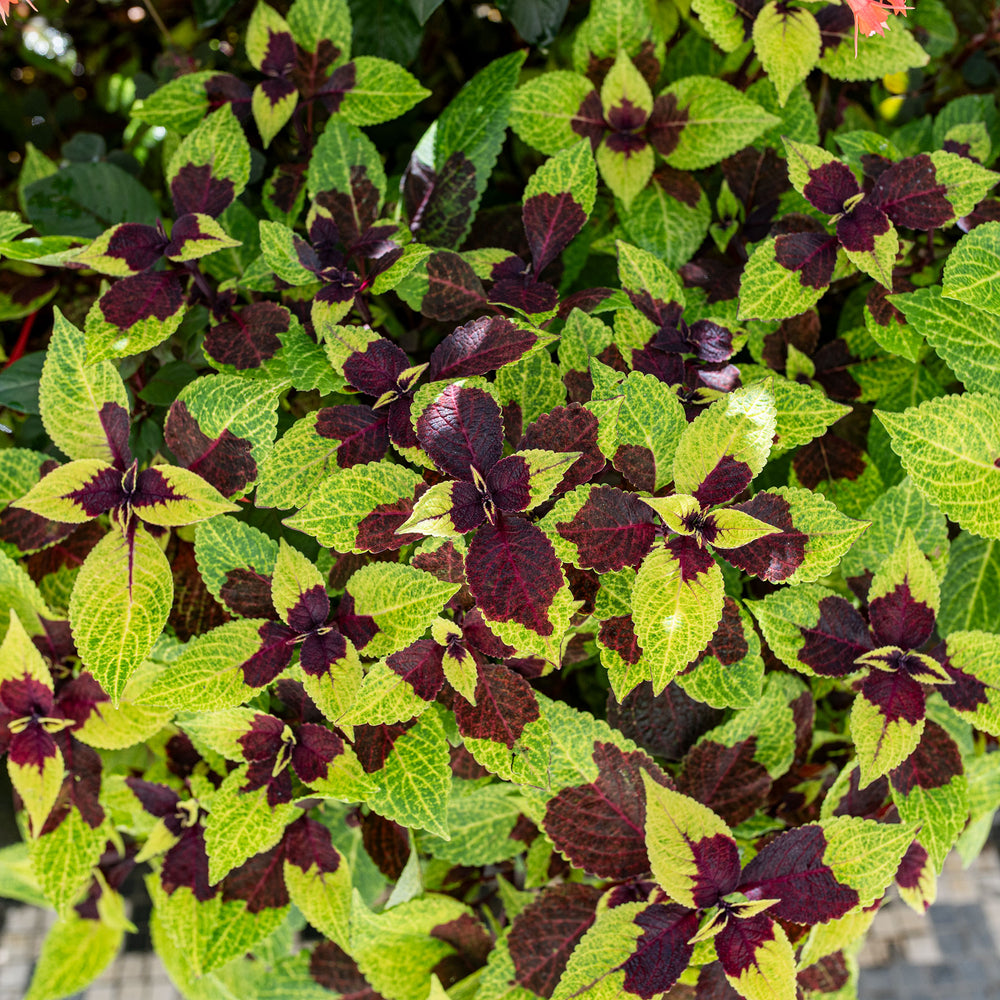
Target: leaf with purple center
28	722
272	50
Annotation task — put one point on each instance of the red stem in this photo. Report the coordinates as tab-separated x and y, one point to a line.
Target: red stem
22	339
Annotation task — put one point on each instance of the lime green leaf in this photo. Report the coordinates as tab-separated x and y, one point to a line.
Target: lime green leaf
878	262
940	813
64	858
213	932
382	90
907	564
179	105
722	20
271	116
675	613
72	394
75	953
416	778
802	413
572	171
384	697
967	338
299	462
480	820
119	606
225	544
220	144
895	52
865	854
115	728
264	22
787	43
967	182
972	273
278	244
207	675
323	897
542	110
770	975
881	743
20	596
241	824
770	291
294	576
312	21
970	585
641	271
978	654
720	120
396	949
52	497
949	447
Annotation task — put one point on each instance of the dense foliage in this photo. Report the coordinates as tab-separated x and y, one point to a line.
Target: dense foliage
500	501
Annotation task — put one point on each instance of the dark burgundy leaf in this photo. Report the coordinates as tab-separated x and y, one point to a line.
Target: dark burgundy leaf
728	479
737	942
857	231
827	458
718	869
505	704
828	975
336	971
358	628
307	843
666	123
791	869
514	573
386	843
568	428
726	779
550	222
138	245
225	461
775	557
662	951
829	186
934	762
440	204
274	654
260	882
362	433
462	428
247	593
546	931
864	802
694	559
910	193
30	532
712	982
194	189
637	464
377	368
589	119
287	182
838	638
453	290
224	88
472	947
315	748
250	338
813	255
377	530
613	529
618	634
194	610
914	866
420	667
667	724
896	696
373	744
509	483
899	619
153	295
478	348
600	826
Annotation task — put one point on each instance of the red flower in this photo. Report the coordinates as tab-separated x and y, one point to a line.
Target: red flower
871	16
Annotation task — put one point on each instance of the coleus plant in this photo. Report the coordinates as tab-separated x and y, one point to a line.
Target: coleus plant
541	547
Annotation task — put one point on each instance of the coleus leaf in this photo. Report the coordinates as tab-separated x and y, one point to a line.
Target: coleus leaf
787	42
726	446
35	762
479	347
600	827
786	275
119	606
236	562
82	406
975	689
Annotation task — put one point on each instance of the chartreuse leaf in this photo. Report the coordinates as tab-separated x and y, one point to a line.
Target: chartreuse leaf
770	291
220	145
730	672
207	675
906	574
931	792
37	769
20	469
402	600
338	507
865	854
732	437
972	272
115	728
969	586
188	497
641	425
179	105
722	21
119	605
219	731
787	42
542	110
978	655
676	609
18	594
802	413
676	827
966	337
532	384
415	781
902	508
264	22
279	245
212	932
334	691
73	396
825	939
224	544
63	859
74	954
300	460
312	21
323	897
382	90
594	969
384	697
718	121
52	497
480	820
949	447
967	183
396	949
241	824
882	741
294	576
894	52
642	272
